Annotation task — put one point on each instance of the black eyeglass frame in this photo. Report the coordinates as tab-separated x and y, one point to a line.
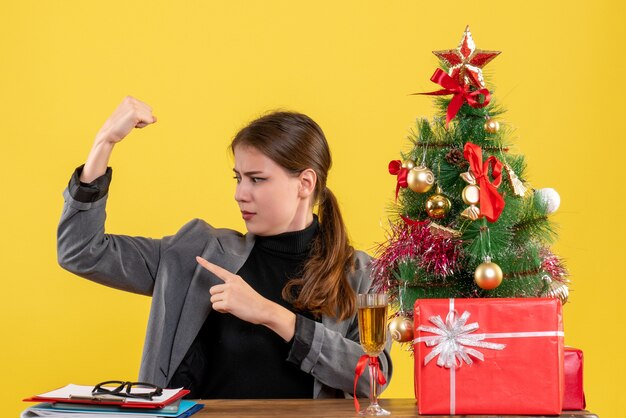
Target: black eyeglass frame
99	389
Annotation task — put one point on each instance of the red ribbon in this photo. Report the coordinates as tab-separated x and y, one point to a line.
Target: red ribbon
461	93
491	202
360	368
395	168
413	222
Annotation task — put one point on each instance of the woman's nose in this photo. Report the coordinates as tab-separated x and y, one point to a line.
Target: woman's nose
241	193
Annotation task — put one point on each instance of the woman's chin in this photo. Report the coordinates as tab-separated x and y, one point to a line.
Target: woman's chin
254	227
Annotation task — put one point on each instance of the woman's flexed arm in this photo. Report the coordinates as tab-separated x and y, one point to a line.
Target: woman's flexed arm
83	247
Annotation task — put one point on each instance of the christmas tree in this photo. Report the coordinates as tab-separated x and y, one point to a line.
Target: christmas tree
465	223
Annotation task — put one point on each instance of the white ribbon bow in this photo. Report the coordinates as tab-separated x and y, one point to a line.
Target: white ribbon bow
454	340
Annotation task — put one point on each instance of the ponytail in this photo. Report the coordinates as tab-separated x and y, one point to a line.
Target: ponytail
324	287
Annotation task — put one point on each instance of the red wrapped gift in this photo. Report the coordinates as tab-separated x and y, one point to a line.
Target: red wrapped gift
574	397
489	356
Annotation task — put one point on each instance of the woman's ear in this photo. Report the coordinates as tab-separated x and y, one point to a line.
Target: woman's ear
308	180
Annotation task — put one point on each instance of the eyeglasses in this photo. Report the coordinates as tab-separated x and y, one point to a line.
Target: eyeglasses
133	389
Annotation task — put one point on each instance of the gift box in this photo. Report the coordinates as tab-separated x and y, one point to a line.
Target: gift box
489	356
574	396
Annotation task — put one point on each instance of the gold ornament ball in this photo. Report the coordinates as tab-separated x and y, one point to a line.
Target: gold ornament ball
492	126
408	164
555	289
438	206
401	329
488	275
420	179
471	194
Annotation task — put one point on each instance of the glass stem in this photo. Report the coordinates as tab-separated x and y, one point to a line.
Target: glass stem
373	382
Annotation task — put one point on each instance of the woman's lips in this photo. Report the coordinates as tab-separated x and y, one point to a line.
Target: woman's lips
247	215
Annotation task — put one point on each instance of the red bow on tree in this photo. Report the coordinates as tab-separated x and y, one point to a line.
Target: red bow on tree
395	168
461	93
491	202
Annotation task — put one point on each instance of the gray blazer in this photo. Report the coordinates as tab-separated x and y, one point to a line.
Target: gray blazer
166	269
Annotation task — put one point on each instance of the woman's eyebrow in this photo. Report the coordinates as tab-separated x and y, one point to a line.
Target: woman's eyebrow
249	173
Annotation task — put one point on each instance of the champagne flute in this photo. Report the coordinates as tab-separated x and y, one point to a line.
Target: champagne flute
373	336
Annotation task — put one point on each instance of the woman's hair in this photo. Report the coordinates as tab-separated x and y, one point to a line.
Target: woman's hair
295	142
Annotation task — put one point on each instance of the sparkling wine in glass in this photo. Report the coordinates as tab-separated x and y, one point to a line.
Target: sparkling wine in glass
373	336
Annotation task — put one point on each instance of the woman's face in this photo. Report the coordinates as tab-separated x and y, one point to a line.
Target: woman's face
271	200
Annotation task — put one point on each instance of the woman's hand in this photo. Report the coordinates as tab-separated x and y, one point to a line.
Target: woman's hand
131	113
236	297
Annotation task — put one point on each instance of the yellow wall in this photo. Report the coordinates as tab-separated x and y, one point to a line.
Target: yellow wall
208	67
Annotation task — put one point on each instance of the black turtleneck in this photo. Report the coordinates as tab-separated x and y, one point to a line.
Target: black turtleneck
232	358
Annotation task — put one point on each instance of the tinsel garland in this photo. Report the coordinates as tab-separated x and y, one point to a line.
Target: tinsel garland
434	253
553	266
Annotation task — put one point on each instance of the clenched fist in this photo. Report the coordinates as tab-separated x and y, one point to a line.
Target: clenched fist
131	113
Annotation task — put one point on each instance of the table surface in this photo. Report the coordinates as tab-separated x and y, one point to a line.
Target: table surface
319	408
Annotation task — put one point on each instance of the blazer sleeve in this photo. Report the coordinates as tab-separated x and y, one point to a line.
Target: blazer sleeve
330	356
83	248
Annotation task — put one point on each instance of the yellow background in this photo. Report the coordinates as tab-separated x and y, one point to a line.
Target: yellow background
209	67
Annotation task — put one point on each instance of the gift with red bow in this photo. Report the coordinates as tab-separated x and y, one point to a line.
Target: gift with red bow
489	356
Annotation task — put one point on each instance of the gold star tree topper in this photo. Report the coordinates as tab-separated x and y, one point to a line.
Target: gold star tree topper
466	62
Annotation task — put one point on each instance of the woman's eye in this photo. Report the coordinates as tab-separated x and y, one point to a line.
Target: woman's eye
238	179
257	179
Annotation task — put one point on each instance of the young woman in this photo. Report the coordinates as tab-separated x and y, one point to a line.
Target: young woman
268	314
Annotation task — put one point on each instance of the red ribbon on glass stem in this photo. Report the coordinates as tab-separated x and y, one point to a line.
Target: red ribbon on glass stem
491	202
395	168
461	93
360	368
